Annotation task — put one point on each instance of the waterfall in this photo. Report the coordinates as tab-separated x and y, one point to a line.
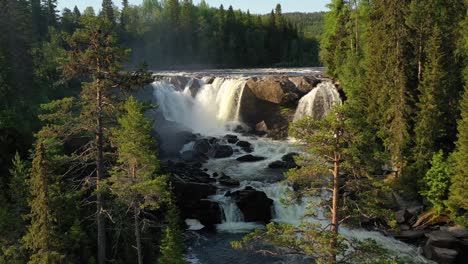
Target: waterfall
318	102
233	219
209	112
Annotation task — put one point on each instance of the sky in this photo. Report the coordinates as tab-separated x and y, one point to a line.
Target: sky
255	6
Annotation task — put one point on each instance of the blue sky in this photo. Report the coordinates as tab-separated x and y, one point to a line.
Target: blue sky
255	6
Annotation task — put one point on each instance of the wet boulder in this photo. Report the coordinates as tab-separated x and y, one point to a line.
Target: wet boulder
261	128
222	151
443	247
304	83
245	146
179	82
231	139
194	87
277	164
286	162
206	211
254	205
202	146
228	181
250	158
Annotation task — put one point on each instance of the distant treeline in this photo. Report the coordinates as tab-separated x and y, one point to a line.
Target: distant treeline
180	34
312	25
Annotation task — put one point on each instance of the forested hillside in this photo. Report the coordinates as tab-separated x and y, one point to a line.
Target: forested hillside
311	24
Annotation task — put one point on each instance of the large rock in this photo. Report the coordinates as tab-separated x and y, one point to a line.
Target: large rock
443	247
228	181
254	110
231	139
261	127
202	146
443	255
192	200
206	211
194	86
286	162
222	151
304	83
250	158
246	146
274	89
254	205
402	216
179	82
442	239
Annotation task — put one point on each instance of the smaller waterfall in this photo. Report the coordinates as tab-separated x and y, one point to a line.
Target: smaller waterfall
233	219
318	102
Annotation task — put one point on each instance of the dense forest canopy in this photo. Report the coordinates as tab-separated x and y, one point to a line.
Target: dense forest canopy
79	172
181	34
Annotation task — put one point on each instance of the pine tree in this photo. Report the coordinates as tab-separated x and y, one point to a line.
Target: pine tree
41	238
133	179
108	10
330	145
94	54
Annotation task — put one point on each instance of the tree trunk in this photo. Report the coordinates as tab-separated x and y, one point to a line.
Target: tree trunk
99	175
335	217
137	234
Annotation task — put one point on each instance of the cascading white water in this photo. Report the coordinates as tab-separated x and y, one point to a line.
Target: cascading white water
208	113
233	219
318	102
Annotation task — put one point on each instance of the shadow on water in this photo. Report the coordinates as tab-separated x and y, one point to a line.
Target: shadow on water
216	248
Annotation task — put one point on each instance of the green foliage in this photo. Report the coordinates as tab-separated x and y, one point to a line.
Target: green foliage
172	242
42	238
313	240
178	33
458	197
133	178
436	181
18	184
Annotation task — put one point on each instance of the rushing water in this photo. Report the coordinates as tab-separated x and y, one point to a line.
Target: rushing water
214	107
318	102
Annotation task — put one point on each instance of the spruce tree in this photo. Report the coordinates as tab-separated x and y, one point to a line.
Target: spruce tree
458	197
429	129
333	43
133	180
172	251
18	185
437	182
387	78
42	238
108	10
